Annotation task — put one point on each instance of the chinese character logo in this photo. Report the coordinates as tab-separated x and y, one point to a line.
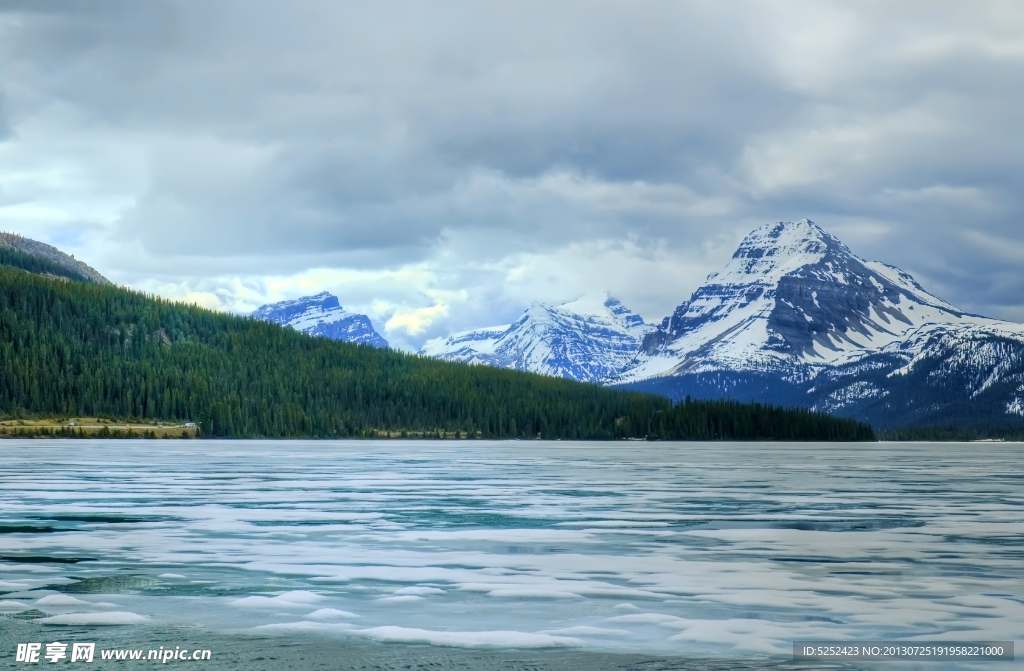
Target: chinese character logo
28	652
82	652
55	651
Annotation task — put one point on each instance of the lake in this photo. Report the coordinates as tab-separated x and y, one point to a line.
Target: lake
531	555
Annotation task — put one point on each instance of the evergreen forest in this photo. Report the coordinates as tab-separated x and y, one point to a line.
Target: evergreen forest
37	264
70	348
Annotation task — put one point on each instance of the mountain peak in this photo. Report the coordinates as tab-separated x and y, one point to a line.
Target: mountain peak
804	235
792	295
592	303
588	339
325	300
774	249
321	315
322	302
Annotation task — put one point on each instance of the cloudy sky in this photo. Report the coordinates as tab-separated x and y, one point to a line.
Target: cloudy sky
441	165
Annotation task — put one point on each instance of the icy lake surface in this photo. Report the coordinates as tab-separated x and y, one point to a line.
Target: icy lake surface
685	550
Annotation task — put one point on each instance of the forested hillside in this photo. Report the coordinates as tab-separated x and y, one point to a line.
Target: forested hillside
14	258
79	349
31	252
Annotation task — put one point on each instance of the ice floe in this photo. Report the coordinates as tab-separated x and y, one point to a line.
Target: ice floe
330	614
95	619
587	631
419	590
293	599
406	598
469	639
61	600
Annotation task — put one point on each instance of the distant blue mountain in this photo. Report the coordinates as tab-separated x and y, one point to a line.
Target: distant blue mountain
322	315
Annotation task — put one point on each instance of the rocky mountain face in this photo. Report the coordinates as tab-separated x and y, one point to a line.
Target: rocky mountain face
969	376
322	315
51	253
589	339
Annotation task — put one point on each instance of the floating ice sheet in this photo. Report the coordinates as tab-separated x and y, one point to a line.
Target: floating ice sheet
95	619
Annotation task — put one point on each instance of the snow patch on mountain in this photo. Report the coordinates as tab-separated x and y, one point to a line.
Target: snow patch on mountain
588	339
1015	406
322	315
466	346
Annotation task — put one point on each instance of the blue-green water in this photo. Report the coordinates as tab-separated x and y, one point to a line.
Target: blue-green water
458	555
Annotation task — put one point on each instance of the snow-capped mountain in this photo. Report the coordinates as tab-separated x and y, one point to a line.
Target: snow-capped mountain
322	315
588	339
797	319
792	296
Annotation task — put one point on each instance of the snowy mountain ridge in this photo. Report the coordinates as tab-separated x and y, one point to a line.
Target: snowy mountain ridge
588	339
795	318
322	315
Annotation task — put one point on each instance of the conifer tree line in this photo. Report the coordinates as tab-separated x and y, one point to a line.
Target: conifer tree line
77	349
37	264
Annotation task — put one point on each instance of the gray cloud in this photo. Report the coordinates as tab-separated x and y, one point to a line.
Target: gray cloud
436	154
